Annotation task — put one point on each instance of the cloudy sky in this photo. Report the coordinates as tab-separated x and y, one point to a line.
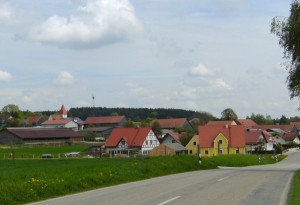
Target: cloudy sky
199	55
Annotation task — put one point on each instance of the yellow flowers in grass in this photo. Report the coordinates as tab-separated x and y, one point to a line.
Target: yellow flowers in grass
39	185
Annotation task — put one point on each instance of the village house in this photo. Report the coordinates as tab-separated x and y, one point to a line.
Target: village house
105	121
216	140
171	137
170	125
169	145
290	138
295	127
256	140
247	123
35	120
131	141
61	120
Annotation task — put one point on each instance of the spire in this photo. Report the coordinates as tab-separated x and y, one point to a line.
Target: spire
63	112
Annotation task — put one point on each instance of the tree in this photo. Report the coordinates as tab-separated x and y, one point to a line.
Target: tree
186	137
284	120
258	119
288	31
228	114
10	110
156	128
129	123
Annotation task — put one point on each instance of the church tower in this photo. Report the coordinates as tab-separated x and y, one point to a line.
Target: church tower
63	112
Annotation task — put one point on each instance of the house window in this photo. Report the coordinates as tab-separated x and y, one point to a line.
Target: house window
206	152
220	142
173	141
237	151
194	143
191	151
220	151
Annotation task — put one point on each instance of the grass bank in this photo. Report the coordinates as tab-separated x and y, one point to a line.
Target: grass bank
25	152
294	197
23	181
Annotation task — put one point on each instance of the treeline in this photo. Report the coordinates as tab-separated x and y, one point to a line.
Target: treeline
12	116
138	114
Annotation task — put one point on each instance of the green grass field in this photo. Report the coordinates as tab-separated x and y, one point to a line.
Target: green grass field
294	197
23	181
25	152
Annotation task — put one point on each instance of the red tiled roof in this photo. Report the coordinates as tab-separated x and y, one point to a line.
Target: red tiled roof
286	128
134	137
248	123
33	133
289	136
57	122
219	123
63	110
267	135
235	134
295	123
252	137
33	119
175	135
56	117
170	123
104	120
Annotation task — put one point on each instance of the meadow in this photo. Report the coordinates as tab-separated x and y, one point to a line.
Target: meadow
294	197
27	152
23	181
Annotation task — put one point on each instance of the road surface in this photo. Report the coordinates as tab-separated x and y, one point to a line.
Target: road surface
259	185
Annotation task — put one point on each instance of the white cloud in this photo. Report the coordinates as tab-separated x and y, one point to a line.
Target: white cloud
200	70
136	89
5	76
65	78
187	91
220	83
96	23
26	99
5	13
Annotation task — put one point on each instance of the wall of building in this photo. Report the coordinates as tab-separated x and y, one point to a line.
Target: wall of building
192	146
8	138
162	150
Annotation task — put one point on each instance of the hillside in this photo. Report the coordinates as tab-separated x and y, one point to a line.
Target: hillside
137	114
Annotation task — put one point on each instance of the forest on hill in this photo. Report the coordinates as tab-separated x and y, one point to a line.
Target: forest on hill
139	114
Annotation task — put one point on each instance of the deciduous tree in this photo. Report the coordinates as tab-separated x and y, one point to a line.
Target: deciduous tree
288	31
228	114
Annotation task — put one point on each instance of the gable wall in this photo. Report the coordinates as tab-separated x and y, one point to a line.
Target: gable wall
8	138
150	142
168	139
192	146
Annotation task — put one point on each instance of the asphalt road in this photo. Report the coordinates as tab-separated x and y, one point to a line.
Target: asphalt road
259	185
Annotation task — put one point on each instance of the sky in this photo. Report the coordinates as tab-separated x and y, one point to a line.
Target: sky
198	55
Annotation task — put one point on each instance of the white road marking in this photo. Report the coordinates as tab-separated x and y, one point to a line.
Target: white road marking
168	201
222	179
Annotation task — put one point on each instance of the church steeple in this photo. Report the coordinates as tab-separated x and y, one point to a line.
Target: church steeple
63	112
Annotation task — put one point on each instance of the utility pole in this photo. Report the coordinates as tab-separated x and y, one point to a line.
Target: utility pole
93	97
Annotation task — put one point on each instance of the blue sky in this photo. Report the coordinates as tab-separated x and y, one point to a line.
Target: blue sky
189	54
